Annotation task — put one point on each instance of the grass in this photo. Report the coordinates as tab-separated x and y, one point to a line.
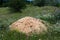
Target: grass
45	13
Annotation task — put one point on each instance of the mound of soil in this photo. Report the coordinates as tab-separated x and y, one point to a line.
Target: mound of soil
29	25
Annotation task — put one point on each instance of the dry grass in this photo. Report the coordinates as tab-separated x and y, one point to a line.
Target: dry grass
29	25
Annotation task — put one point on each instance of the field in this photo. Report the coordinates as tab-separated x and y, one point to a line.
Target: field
48	13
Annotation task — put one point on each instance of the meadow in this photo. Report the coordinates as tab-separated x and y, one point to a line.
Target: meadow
49	14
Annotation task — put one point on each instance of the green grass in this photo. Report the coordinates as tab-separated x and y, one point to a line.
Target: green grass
45	13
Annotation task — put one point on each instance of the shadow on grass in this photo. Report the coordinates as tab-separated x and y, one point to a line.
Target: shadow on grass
14	35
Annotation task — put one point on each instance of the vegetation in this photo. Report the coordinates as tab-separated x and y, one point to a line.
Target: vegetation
46	3
47	10
45	13
16	5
